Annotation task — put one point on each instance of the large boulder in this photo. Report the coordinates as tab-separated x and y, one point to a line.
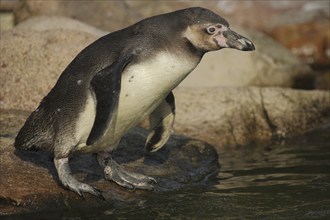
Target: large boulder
35	53
29	181
306	39
246	115
108	15
31	62
44	23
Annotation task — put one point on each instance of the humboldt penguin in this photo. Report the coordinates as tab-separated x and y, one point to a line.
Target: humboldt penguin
117	81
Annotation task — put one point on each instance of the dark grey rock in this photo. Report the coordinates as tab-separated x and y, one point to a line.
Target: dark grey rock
29	181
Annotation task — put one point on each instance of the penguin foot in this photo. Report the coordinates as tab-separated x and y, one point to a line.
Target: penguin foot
81	188
68	181
130	180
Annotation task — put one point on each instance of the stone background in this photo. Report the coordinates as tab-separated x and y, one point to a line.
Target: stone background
232	98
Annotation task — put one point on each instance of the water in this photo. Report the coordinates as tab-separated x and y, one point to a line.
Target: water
288	180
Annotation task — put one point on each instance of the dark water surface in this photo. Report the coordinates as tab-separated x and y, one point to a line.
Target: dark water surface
288	180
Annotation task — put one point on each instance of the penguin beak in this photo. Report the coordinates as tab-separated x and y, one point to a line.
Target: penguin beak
231	39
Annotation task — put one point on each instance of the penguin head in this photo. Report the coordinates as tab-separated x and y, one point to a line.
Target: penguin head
208	31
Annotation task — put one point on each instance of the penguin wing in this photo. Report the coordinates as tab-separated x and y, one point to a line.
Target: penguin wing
161	124
106	85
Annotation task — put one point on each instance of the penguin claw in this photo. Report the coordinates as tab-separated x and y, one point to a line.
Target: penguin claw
81	194
84	188
98	193
153	180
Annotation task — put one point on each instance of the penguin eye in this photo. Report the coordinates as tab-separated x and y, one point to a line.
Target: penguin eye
210	30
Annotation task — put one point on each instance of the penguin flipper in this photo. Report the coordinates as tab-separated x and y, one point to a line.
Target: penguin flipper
107	81
161	124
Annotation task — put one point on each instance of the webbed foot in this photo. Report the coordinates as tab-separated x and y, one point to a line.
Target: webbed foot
68	181
81	188
113	171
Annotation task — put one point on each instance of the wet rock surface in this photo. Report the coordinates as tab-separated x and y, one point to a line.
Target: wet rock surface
220	116
29	181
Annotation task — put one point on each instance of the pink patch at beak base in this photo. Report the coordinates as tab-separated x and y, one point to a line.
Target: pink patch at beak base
220	40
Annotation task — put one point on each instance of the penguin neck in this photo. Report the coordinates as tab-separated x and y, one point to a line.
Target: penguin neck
192	49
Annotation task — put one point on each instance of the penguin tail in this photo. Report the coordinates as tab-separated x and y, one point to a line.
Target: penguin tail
33	135
24	141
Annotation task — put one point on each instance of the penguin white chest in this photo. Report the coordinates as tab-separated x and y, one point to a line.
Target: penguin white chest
145	85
